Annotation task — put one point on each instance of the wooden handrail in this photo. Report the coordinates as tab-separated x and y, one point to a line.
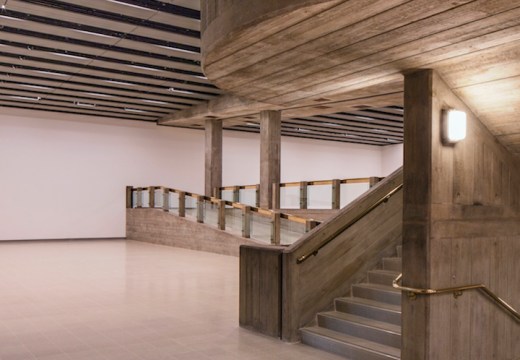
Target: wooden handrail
267	213
297	183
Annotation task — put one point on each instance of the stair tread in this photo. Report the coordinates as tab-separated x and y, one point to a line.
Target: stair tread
377	287
363	320
354	341
373	303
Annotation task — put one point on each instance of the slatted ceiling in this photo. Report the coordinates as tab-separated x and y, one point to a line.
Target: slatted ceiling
60	109
163	50
64	106
341	138
382	124
189	4
68	96
119	18
324	129
73	102
334	127
37	45
329	121
106	58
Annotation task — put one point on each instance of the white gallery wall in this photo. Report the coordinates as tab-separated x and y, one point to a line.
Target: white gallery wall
64	176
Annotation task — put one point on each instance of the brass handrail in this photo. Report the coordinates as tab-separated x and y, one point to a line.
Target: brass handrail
349	224
457	291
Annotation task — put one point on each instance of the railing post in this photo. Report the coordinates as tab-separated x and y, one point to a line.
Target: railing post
236	193
166	199
373	180
336	193
129	197
222	215
303	194
275	228
151	197
276	196
246	222
182	204
200	209
139	201
310	224
257	195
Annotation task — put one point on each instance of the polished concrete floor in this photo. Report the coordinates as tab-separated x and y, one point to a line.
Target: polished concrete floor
116	299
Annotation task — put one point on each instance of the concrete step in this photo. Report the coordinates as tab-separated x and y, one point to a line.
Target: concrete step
392	264
381	293
373	330
400	251
370	309
349	346
382	277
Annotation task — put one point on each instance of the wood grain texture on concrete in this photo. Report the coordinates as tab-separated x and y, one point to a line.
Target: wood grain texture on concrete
213	156
158	227
302	53
460	227
261	289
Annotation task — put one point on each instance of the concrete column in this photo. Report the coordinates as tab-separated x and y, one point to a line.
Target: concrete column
213	159
270	139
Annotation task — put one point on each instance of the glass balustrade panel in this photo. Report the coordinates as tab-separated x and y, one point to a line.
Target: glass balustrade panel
210	214
146	198
260	227
173	203
226	195
134	198
191	207
290	197
248	197
158	198
234	220
290	231
319	196
350	192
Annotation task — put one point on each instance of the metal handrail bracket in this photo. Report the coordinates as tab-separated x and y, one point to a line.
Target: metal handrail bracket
457	291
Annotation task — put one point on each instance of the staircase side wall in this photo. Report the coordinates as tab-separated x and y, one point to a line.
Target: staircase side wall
311	286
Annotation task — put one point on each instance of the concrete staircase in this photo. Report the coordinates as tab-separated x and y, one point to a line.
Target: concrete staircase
367	324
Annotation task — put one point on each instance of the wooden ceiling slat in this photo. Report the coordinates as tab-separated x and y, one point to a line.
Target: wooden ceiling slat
68	102
316	137
185	98
345	123
114	94
371	121
90	52
51	107
335	131
119	26
72	97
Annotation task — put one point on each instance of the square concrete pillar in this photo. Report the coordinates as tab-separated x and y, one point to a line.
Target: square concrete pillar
270	139
213	156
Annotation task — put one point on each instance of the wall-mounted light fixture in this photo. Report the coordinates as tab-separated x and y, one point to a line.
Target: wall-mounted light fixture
454	127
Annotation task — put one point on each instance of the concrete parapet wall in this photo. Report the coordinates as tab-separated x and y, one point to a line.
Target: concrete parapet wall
158	227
